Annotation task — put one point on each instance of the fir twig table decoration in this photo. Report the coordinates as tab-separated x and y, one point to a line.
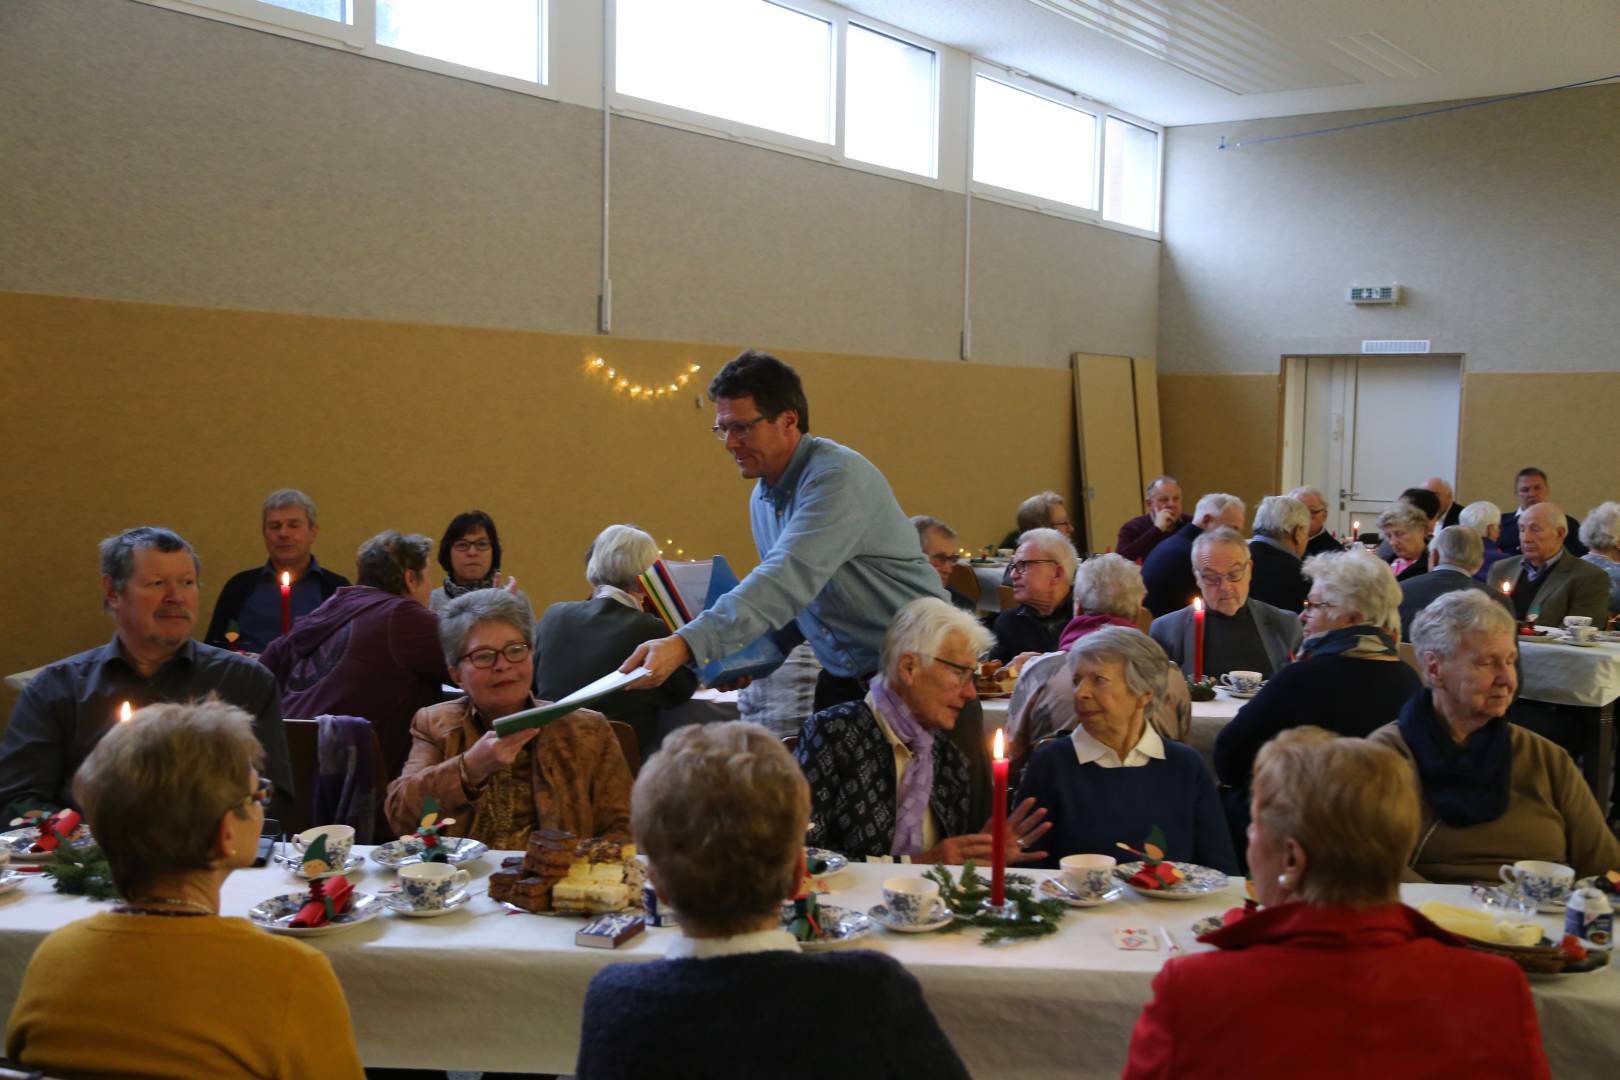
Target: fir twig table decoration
965	897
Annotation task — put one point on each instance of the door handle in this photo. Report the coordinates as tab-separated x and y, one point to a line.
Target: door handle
1343	494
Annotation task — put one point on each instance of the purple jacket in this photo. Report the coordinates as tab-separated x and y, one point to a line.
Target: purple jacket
363	652
1139	536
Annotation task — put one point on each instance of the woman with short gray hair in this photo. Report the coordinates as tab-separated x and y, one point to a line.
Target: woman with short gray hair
371	649
1493	792
579	641
1108	590
1601	532
884	777
1349	677
1115	779
569	775
174	799
1405	530
1485	518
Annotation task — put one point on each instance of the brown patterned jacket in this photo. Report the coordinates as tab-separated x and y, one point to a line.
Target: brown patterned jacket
580	780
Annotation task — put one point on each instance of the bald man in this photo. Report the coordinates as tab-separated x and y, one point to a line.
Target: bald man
1450	512
1547	580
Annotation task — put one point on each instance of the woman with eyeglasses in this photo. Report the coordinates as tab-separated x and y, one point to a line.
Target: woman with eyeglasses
470	553
568	775
174	799
580	641
1349	678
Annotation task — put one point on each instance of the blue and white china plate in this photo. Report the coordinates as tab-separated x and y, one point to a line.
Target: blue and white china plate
881	914
1197	881
835	862
1208	924
18	841
397	853
400	906
1241	695
841	926
1498	898
1050	891
293	863
275	913
9	880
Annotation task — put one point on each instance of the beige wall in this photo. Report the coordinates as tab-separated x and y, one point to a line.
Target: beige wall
116	414
1501	222
157	156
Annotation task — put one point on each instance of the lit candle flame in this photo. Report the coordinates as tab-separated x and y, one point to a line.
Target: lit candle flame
123	713
1355	528
286	580
1000	747
1507	588
1198	603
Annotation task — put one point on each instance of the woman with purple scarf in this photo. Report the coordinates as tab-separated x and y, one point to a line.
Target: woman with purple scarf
881	782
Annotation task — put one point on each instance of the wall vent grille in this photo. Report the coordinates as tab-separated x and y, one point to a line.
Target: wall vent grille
1394	346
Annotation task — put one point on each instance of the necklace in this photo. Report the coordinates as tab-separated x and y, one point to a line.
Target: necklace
197	906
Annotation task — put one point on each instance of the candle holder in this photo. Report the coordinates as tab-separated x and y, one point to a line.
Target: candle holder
1005	910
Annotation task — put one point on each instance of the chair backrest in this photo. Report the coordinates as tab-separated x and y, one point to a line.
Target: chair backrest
791	742
629	744
1144	620
965	581
1409	653
303	750
1006	594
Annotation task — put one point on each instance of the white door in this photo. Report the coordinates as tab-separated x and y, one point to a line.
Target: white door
1370	427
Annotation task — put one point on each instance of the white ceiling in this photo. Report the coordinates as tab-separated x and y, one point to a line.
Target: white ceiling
1263	58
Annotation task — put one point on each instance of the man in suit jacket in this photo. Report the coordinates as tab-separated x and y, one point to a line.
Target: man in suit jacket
1318	541
1454	559
1547	580
1450	509
1240	634
1280	527
1531	488
1168	571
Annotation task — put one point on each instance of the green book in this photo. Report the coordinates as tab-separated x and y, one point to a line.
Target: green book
542	715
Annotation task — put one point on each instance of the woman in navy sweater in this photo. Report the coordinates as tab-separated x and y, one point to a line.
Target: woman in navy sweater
1116	778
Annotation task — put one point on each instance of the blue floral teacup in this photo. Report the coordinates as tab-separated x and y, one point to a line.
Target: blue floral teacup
1543	882
429	886
911	900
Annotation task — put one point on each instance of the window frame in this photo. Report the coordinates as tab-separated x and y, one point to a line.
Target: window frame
657	112
360	38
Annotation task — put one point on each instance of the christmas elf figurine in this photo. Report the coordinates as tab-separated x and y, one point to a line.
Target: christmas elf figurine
804	924
430	832
1156	873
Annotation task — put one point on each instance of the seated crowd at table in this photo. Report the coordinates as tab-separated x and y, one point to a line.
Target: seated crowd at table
1346	774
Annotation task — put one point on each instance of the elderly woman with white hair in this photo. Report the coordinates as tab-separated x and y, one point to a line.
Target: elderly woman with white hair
884	777
1493	792
1116	778
1601	532
1405	530
1349	677
569	774
1485	518
581	640
1042	572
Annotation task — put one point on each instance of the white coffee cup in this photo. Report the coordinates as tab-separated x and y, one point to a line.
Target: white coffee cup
1244	682
339	842
1582	634
911	900
429	886
1089	875
1543	882
1571	621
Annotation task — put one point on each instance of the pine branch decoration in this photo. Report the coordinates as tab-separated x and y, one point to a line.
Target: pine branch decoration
81	871
965	898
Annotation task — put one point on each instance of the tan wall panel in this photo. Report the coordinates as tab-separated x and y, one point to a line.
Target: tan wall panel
1105	407
1149	441
1565	424
114	414
1220	434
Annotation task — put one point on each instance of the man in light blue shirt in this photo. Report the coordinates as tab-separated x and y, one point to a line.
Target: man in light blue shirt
838	557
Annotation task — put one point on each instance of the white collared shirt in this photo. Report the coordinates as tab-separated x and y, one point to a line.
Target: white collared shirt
1092	752
704	948
617	594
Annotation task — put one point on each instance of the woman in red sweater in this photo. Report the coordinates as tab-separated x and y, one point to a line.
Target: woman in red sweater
1334	977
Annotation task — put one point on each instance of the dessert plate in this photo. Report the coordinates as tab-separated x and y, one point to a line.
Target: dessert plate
399	906
397	853
881	914
275	913
1197	881
840	927
1050	891
18	841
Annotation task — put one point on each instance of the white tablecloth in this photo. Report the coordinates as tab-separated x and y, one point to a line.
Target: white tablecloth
1569	674
1062	1006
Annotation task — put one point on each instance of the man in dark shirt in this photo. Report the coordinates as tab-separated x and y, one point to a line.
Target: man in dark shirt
149	580
1043	584
1140	535
1319	541
247	615
938	542
1531	487
1278	548
1168	572
1240	633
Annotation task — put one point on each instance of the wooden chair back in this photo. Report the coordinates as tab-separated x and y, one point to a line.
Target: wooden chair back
1409	654
1144	619
965	581
1005	592
629	744
304	753
791	742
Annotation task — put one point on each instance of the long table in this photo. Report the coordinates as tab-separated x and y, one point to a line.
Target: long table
1062	1006
1581	683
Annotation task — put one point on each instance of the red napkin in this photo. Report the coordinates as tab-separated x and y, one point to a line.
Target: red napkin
54	828
1160	875
328	898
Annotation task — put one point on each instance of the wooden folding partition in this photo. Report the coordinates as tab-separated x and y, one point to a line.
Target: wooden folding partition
1116	412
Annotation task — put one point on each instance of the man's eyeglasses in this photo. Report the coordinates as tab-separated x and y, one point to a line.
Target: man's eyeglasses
1234	576
260	795
1313	605
485	658
741	429
1022	565
964	672
942	558
466	547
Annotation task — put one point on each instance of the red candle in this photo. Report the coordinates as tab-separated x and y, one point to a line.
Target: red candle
286	601
998	824
1198	637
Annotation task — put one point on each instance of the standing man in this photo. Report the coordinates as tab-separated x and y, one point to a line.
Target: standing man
1319	540
250	604
149	583
1140	535
1547	580
838	557
1531	488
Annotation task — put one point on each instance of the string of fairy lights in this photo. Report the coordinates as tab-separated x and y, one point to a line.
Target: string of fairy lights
621	383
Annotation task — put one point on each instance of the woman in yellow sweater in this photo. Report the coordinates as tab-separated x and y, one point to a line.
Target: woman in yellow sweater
161	986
